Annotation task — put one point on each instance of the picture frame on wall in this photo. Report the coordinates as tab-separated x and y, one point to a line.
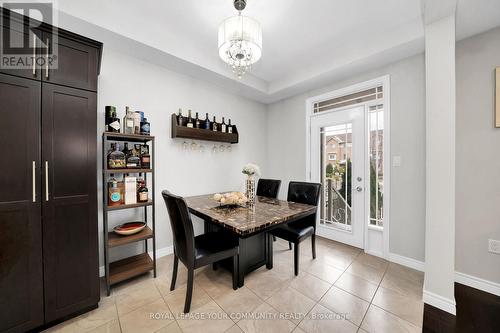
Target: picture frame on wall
497	97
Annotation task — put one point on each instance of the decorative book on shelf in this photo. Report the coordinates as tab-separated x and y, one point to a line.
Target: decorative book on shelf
202	134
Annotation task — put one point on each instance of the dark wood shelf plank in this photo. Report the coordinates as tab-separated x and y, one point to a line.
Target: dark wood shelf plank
127	268
202	134
139	204
115	240
128	137
109	171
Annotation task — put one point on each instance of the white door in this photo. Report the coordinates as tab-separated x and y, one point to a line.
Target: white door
338	162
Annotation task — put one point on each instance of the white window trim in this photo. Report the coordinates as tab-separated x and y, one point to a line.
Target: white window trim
385	82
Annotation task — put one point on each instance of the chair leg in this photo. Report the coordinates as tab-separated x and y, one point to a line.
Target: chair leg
214	266
189	291
289	245
174	272
313	244
274	238
296	259
236	265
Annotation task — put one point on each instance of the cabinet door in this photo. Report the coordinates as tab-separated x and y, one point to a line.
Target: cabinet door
69	210
76	63
29	49
21	279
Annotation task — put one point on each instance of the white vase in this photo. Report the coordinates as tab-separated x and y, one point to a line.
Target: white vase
250	190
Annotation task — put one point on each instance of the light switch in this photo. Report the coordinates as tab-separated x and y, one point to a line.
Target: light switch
396	161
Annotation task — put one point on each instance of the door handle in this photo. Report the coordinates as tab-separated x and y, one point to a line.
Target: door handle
46	181
47	63
359	189
34	55
34	181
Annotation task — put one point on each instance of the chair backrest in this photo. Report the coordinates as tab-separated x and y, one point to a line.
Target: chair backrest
302	192
182	226
268	188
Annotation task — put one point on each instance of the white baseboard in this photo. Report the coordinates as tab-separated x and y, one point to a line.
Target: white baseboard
165	251
408	262
478	283
440	302
462	278
374	253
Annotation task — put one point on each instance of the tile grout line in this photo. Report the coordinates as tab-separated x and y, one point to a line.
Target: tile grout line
373	297
332	284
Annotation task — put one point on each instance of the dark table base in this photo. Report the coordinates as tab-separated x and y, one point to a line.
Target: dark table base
255	252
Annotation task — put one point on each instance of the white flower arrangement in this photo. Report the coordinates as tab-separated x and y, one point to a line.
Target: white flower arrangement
231	198
251	169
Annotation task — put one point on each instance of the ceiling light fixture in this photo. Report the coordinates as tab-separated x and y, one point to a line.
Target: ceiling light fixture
240	41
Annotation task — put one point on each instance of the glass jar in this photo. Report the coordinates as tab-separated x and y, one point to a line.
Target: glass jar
114	193
116	159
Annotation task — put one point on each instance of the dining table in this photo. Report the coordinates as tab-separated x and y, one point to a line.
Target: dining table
249	225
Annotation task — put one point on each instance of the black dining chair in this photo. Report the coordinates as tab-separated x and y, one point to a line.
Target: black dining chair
296	231
268	188
195	252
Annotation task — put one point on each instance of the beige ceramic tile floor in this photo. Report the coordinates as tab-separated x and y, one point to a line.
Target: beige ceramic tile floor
343	290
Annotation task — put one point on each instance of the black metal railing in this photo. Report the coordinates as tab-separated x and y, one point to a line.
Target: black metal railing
337	210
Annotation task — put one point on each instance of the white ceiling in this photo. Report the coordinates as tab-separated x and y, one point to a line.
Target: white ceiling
305	42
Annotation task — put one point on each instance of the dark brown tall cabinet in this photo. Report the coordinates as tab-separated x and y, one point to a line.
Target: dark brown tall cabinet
48	187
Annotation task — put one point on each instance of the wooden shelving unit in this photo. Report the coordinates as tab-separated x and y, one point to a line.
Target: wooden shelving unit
129	267
136	205
202	134
115	240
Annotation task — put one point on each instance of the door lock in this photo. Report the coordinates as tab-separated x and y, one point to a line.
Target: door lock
359	189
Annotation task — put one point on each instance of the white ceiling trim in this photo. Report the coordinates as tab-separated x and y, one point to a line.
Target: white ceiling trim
351	52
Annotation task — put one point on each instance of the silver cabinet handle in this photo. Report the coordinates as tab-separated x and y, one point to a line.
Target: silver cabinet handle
46	181
34	55
34	181
47	64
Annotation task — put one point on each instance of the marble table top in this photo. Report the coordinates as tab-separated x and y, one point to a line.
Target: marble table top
245	221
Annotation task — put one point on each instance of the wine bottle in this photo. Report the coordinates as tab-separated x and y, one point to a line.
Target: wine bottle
180	118
189	123
125	149
206	123
230	127
223	126
214	125
128	121
197	121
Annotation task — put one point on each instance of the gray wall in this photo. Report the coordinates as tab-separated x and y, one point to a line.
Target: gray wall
286	155
125	80
478	157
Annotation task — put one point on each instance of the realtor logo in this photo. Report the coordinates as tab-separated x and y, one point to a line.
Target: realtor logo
26	43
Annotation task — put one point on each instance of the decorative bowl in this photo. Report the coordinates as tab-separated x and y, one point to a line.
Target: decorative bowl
129	228
231	199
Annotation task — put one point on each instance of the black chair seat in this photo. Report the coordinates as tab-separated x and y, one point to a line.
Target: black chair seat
212	247
293	233
296	231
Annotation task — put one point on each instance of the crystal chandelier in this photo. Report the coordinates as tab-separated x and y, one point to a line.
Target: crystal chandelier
240	41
